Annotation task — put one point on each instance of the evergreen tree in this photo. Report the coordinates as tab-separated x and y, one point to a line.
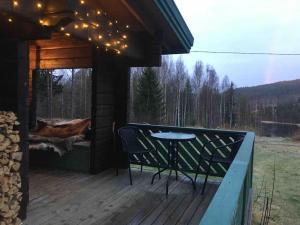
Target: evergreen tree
148	101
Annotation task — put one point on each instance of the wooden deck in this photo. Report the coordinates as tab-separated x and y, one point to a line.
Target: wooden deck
67	198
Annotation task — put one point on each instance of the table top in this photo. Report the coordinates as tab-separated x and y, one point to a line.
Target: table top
173	136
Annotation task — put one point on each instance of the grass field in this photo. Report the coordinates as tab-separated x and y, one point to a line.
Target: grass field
286	203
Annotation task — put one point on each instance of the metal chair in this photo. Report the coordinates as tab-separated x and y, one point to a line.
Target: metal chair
214	159
133	147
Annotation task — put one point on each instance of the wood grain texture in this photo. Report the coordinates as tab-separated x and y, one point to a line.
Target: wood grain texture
62	198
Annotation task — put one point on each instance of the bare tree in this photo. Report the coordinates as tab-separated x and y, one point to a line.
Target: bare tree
197	82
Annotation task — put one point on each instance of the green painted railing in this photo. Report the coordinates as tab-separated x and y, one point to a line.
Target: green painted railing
231	202
189	151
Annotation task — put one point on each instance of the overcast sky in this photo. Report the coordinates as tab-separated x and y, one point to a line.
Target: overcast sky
248	26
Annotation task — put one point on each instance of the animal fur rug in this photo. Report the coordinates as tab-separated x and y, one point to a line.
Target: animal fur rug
58	145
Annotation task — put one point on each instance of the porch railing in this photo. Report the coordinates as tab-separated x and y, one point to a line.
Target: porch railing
230	204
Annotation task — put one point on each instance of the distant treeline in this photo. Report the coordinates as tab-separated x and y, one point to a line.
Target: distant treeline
170	95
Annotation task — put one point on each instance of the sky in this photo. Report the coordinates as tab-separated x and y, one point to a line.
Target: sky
247	26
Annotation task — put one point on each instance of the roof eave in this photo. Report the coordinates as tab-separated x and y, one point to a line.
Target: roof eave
171	13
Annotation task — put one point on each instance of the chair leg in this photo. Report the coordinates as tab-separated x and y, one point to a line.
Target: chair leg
129	170
197	170
158	165
206	176
176	163
158	168
195	179
117	164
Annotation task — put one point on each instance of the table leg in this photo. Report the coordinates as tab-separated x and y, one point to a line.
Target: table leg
154	175
167	184
176	159
193	182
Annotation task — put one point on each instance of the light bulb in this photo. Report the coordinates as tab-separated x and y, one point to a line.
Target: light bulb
39	5
16	3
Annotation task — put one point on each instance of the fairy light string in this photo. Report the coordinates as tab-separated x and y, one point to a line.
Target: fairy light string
94	24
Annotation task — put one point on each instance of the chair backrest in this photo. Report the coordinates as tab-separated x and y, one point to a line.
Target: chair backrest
129	139
234	146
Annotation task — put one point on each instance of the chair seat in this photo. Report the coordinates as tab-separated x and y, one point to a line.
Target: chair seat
139	151
217	159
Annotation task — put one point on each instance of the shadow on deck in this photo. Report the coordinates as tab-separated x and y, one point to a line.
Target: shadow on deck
67	198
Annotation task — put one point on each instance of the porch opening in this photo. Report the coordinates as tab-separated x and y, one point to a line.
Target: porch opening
60	132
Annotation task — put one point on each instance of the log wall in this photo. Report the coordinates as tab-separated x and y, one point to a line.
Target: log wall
109	110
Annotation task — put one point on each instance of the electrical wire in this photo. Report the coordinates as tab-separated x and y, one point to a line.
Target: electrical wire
246	53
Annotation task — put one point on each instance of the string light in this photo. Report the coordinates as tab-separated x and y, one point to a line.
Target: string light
39	5
15	3
85	25
100	27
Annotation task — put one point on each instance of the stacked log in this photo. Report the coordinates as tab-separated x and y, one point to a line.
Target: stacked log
10	163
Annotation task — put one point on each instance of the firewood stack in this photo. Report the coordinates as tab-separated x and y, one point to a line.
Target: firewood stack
10	163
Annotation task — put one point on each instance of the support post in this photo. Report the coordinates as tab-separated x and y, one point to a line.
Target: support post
13	97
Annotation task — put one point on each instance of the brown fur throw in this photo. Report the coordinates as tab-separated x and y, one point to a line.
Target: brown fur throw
62	129
58	136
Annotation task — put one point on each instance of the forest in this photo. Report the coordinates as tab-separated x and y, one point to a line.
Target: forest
170	95
64	93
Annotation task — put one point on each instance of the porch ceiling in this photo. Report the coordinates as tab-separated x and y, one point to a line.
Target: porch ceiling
156	21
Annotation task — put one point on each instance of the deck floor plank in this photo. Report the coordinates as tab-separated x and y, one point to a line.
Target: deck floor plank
67	198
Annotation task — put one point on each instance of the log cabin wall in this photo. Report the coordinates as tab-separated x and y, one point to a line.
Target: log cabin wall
110	91
13	97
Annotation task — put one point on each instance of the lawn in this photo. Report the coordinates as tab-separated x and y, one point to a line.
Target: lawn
286	203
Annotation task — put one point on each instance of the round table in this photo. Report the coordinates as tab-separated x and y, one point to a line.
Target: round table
173	138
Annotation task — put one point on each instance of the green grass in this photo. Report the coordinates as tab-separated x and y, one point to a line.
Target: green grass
286	203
